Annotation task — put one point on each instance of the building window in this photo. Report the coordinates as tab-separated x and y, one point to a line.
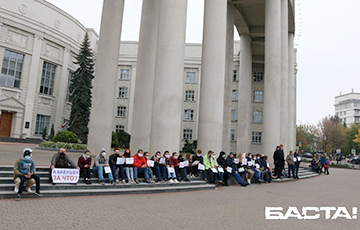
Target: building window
121	111
68	88
11	69
47	79
189	95
42	121
356	111
257	116
235	75
256	137
234	95
190	77
187	134
119	128
258	77
258	96
123	92
344	113
233	115
124	74
189	115
232	135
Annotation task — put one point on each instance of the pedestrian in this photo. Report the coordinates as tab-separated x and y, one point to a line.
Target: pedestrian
27	168
326	166
297	159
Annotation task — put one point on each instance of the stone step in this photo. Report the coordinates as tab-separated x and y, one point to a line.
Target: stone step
109	190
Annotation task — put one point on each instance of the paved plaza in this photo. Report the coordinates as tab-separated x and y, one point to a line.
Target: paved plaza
231	207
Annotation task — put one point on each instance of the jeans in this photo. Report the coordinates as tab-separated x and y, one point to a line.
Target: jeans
121	172
183	174
129	173
23	179
220	176
257	173
291	168
171	175
157	172
141	171
237	177
163	171
210	176
99	170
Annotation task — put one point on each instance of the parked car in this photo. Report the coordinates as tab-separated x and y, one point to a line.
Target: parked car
355	160
307	155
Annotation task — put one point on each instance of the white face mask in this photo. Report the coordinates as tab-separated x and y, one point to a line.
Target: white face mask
167	156
199	155
213	156
148	157
103	154
140	154
175	157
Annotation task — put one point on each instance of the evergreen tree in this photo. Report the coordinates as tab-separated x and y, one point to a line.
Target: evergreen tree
80	91
52	133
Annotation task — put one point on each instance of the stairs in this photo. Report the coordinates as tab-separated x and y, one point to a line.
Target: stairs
304	173
82	189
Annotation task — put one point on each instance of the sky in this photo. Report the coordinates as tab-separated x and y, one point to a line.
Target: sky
327	50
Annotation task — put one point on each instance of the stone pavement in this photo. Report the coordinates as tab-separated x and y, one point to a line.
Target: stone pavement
226	208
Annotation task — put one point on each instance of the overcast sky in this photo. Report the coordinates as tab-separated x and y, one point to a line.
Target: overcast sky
328	52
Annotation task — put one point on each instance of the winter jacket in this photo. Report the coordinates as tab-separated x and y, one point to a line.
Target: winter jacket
198	158
26	166
139	161
221	162
174	162
208	162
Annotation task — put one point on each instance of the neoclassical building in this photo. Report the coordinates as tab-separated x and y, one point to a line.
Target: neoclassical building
229	95
257	111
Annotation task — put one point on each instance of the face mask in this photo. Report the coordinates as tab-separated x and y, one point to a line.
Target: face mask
223	156
62	154
103	154
199	155
175	157
167	156
213	156
140	155
148	157
85	156
27	158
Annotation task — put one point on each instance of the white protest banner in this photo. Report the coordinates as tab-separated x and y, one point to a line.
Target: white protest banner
150	163
257	166
107	169
229	170
120	161
268	165
244	161
182	165
171	170
195	162
186	163
295	159
162	160
221	170
129	161
201	167
60	175
214	170
250	163
236	161
241	169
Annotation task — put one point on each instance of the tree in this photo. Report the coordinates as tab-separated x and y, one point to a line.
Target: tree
124	139
80	91
114	140
350	137
52	133
44	133
189	146
307	135
331	134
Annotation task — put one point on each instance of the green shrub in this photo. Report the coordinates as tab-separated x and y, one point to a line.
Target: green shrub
57	145
123	138
114	140
44	133
66	136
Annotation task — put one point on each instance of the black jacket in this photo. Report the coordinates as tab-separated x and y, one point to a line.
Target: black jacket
221	162
279	157
198	158
113	159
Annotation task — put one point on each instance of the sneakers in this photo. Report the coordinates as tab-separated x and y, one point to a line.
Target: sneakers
176	181
16	190
123	181
117	181
137	182
147	181
112	183
18	197
38	193
102	183
243	185
171	181
29	190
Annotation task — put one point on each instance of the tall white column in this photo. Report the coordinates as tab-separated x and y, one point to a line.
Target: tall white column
211	112
31	88
284	124
245	95
144	84
292	92
62	88
169	72
131	99
228	77
106	76
272	87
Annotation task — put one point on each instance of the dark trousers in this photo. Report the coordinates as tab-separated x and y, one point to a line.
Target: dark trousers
225	177
183	174
86	172
296	167
157	172
278	169
210	176
121	172
163	171
23	179
291	168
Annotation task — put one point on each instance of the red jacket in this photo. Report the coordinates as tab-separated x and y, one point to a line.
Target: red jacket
138	162
174	162
82	162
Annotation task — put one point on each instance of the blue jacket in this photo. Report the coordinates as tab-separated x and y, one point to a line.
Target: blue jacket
322	160
26	166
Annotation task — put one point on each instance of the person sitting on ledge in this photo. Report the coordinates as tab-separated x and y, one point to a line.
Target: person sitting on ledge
128	168
84	163
174	163
156	168
29	181
98	167
116	169
151	174
198	159
209	164
231	164
140	167
61	160
27	168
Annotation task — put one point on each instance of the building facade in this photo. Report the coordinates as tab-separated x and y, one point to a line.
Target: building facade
347	108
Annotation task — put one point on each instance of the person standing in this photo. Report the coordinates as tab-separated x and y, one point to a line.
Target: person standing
27	168
297	156
84	163
279	162
322	161
291	159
